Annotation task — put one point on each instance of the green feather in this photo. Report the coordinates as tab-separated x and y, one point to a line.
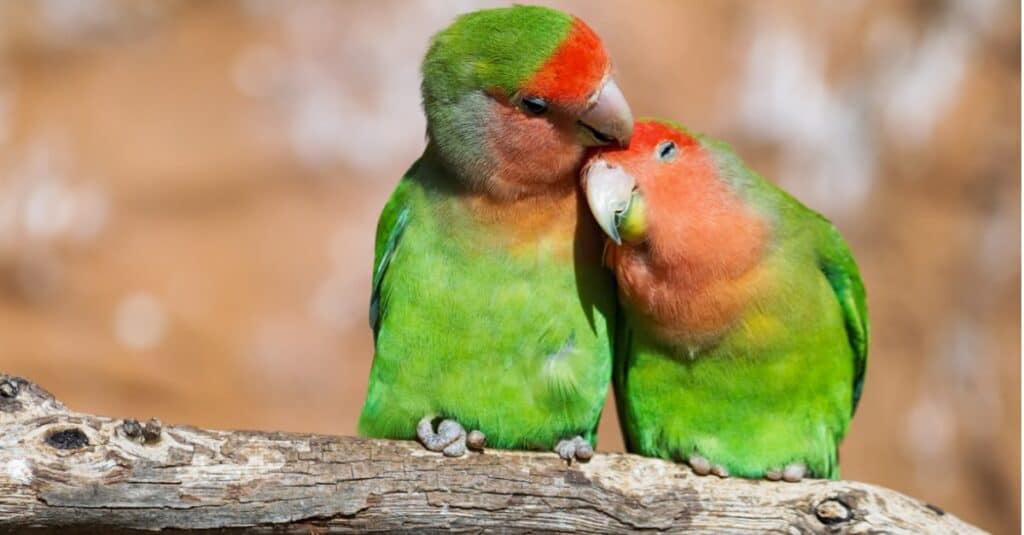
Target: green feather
838	265
503	333
782	384
500	339
389	229
493	50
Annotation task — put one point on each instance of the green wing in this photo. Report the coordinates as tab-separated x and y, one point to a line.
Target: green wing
834	255
841	270
393	220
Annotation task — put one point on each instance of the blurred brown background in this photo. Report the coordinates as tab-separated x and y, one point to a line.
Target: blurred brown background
188	192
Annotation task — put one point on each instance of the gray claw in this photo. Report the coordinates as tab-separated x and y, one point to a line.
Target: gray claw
584	451
450	438
794	472
574	448
566	449
699	464
451	431
429	439
476	440
456	448
720	471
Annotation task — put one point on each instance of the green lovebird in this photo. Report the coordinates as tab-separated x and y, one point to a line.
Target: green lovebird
744	339
490	309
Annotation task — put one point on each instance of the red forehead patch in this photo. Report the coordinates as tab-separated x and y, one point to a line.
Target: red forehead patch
647	134
572	73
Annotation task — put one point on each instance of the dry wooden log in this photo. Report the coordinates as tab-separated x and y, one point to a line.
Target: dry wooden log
73	472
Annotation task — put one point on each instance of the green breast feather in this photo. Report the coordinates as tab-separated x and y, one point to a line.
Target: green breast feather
780	387
511	341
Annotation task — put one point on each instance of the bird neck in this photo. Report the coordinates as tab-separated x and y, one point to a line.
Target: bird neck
528	221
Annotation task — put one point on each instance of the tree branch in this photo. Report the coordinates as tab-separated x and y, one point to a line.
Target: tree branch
78	472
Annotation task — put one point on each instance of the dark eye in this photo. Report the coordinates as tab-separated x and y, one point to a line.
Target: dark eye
535	105
666	151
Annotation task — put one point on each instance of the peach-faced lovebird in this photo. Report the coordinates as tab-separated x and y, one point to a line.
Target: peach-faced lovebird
744	339
490	308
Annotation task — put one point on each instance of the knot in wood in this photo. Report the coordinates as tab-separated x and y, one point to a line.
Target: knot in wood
832	511
147	433
151	431
68	439
131	428
8	389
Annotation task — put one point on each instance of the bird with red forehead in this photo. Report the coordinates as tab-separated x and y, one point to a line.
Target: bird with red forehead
490	309
743	340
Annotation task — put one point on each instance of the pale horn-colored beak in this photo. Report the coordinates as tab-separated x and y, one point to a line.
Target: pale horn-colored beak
609	120
609	190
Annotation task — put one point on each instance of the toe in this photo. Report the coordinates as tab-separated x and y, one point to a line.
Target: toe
449	439
454	435
450	430
794	472
584	451
720	471
456	448
476	440
566	449
425	432
774	474
700	465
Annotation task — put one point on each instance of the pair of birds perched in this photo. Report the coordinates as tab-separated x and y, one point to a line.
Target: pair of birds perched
732	321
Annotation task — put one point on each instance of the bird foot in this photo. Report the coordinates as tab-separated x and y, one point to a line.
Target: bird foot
702	467
792	473
450	438
574	448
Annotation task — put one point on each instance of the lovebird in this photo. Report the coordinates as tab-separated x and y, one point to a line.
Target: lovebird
744	336
491	312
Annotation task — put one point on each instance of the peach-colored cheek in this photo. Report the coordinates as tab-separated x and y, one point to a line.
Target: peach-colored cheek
698	268
531	150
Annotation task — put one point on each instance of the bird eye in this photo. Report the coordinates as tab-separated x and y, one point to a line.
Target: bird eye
535	105
666	151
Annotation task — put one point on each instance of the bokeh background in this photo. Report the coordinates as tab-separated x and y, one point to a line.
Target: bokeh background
188	192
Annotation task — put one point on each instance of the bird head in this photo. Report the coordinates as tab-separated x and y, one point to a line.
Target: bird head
514	97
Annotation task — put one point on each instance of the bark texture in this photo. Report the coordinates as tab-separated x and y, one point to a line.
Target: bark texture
71	472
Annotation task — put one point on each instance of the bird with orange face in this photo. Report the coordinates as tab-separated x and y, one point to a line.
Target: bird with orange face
743	340
490	309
